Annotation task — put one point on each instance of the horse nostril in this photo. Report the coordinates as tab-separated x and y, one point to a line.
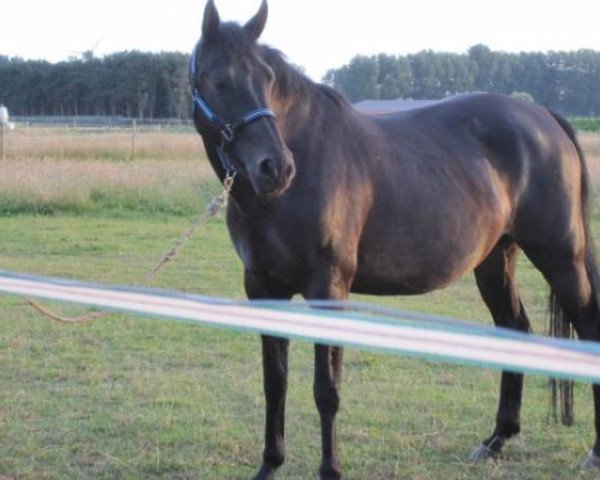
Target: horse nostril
267	168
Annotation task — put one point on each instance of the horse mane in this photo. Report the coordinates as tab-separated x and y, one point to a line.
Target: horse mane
291	81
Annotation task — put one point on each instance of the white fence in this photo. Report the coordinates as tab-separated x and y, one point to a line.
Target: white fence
358	326
98	122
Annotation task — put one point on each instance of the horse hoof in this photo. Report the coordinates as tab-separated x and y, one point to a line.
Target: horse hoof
264	473
481	453
591	461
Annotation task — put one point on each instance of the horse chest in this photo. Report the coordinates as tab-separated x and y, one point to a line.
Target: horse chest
276	253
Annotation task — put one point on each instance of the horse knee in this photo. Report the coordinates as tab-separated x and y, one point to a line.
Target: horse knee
327	397
275	382
275	367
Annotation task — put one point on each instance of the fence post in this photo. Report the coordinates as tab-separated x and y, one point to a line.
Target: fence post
1	141
133	137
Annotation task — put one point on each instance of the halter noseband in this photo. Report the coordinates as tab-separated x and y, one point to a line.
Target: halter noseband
227	131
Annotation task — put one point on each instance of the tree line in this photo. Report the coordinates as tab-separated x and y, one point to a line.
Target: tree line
568	82
131	84
155	85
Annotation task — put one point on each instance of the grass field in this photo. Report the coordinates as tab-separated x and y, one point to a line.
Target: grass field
132	397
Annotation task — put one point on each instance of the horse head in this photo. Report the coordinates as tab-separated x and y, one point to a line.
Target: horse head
233	88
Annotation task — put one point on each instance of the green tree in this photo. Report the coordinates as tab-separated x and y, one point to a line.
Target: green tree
357	80
424	66
483	63
395	77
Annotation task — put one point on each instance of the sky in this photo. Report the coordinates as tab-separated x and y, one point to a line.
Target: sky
316	34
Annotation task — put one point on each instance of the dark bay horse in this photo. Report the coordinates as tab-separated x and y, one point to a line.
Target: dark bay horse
326	201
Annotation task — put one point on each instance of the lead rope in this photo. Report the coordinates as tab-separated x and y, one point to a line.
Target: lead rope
217	204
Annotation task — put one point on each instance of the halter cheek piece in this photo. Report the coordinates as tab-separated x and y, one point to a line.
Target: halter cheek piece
227	131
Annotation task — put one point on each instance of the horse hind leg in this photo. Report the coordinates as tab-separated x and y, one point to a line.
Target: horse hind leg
573	279
496	282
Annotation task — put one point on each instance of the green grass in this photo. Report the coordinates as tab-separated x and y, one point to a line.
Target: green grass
586	124
128	397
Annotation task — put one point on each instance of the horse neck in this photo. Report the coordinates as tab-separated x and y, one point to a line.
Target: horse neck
293	94
300	104
303	113
291	108
311	112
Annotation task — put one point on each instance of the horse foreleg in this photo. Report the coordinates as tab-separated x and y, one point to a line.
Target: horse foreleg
275	373
328	371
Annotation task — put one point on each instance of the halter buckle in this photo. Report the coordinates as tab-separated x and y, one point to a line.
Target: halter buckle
228	180
228	133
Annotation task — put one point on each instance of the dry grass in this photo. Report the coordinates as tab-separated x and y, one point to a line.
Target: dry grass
85	144
47	180
50	170
107	144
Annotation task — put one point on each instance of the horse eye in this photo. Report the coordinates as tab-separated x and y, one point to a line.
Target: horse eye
220	85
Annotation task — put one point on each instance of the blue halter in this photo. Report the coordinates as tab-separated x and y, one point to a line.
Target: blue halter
227	131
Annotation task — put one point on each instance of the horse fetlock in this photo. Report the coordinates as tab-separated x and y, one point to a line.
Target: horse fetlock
330	471
495	443
273	458
504	430
265	473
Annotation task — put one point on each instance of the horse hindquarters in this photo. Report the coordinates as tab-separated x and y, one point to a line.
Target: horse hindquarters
556	237
550	225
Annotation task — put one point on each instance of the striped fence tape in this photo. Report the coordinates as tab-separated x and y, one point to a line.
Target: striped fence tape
358	325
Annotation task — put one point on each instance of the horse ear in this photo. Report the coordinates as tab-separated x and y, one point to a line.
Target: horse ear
256	24
211	20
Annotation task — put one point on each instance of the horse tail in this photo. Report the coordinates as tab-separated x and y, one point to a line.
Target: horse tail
559	327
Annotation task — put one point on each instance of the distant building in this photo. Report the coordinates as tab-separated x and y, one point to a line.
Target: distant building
381	107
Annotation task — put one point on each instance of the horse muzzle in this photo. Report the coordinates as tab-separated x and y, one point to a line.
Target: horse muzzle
272	176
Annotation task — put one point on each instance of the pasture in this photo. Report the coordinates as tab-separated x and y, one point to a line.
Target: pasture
128	397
